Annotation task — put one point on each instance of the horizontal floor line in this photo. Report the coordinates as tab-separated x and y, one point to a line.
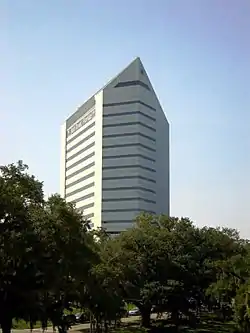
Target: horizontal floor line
119	114
92	174
85	158
130	177
79	143
128	156
128	167
80	189
129	124
126	210
129	103
127	145
128	199
80	170
129	188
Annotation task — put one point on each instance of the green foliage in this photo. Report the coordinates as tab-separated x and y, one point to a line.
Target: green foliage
45	251
171	265
51	263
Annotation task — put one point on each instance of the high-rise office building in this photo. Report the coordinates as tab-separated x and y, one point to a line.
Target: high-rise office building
115	153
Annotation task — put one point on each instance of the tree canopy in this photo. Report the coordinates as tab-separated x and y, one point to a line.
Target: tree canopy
50	261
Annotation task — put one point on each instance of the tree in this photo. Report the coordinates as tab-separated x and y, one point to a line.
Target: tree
45	250
50	260
141	262
18	264
168	263
102	296
231	287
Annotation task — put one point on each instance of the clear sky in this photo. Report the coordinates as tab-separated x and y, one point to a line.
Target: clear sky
55	53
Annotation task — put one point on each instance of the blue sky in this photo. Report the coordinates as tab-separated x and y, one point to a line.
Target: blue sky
54	54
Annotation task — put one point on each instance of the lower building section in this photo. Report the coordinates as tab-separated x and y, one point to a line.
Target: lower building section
116	227
121	205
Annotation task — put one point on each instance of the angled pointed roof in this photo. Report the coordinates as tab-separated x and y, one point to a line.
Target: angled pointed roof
134	72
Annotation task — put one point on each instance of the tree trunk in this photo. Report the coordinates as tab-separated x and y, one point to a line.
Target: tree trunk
6	324
91	324
175	319
145	316
105	326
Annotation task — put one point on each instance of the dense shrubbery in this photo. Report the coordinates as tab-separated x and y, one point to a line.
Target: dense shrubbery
50	261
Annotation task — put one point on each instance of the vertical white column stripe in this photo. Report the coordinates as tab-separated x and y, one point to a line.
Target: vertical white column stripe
63	160
98	159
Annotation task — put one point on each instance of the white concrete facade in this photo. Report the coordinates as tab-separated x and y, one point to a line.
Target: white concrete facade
115	153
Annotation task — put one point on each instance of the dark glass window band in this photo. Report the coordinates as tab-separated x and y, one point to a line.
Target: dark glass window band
80	142
80	151
89	216
119	114
87	196
130	103
80	189
120	135
81	133
90	175
80	161
129	124
137	210
129	199
118	221
128	188
80	170
120	167
130	177
127	145
132	84
128	156
86	206
82	110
